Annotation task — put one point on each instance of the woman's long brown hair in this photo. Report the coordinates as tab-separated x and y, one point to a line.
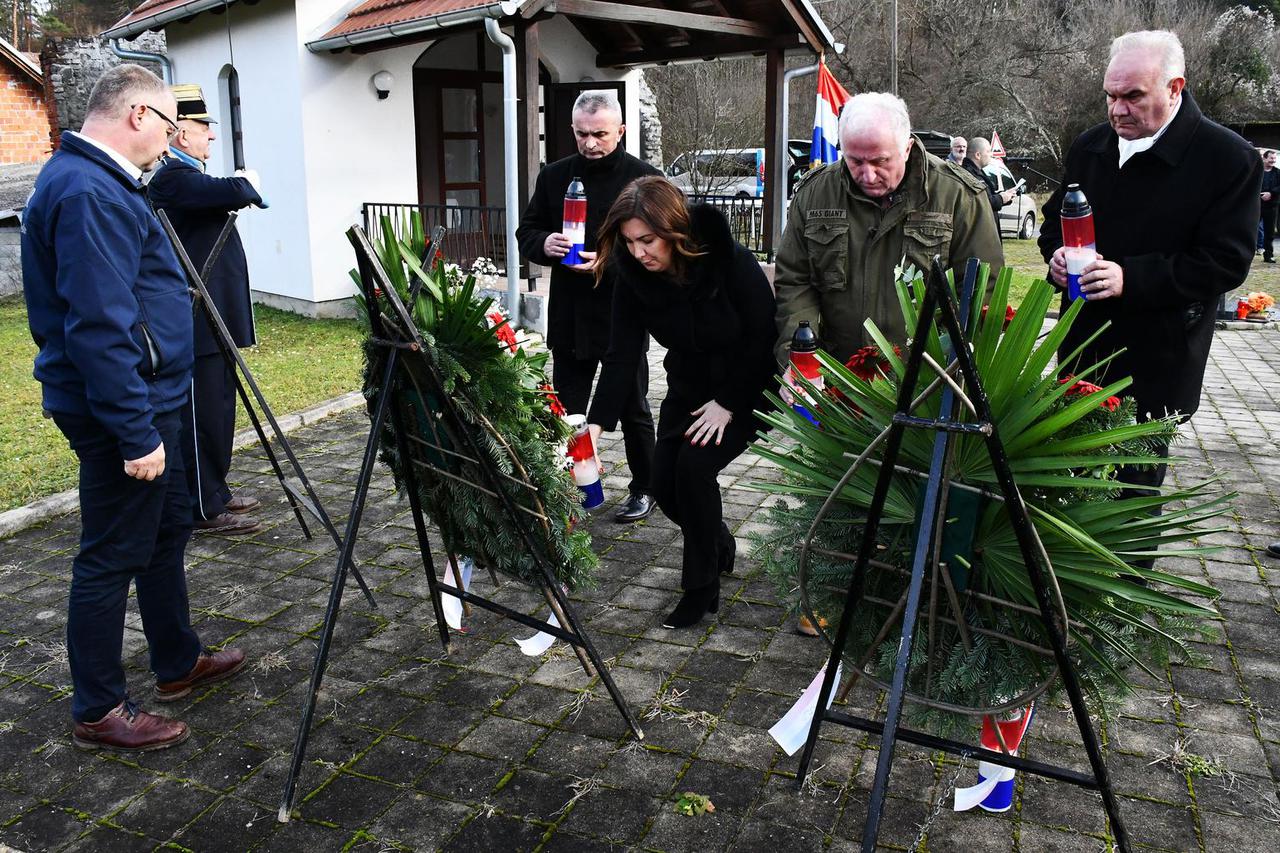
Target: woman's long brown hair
660	205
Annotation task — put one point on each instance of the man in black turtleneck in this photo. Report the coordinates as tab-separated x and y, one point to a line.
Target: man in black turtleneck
578	318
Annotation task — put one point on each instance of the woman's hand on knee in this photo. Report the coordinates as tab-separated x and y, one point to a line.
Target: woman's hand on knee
710	420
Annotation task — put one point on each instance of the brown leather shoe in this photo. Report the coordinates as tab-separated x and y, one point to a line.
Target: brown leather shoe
241	504
211	666
228	524
130	729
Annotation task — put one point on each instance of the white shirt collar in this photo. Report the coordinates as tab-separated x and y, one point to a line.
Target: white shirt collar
1129	147
120	160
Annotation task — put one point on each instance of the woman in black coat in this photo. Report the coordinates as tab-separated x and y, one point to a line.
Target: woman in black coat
681	278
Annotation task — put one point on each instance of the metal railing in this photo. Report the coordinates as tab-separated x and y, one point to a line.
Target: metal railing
745	215
473	231
480	232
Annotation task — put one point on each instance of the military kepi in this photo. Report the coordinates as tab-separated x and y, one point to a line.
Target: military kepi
191	103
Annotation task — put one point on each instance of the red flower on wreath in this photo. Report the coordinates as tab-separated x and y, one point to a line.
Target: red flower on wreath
1081	388
869	364
553	401
502	329
1009	314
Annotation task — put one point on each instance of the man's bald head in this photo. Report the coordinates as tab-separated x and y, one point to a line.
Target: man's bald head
980	151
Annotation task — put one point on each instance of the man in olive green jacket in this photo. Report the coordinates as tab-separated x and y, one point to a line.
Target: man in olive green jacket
851	223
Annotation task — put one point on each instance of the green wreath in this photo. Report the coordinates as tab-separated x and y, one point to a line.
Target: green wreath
1065	439
498	386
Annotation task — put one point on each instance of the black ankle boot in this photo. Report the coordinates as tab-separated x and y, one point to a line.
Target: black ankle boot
693	605
728	550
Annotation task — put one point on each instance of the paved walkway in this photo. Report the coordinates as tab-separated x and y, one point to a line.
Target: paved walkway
489	750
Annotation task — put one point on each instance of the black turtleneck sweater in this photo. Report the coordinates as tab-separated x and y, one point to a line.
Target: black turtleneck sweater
578	316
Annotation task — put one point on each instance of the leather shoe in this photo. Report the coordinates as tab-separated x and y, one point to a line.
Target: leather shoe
211	666
636	507
228	524
127	728
241	504
1273	550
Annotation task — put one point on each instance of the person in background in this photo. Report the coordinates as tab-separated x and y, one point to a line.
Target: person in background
1175	199
1270	196
579	310
975	164
108	308
680	276
197	204
958	149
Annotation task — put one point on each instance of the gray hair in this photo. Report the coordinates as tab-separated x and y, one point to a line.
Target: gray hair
1161	43
979	144
870	110
121	86
592	101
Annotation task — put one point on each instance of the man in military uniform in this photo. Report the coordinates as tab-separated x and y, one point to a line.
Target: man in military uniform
888	202
852	222
198	205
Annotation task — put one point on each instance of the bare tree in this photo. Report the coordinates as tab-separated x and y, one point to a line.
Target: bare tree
709	106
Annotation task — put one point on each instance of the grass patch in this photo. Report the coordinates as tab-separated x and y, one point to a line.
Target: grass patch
299	362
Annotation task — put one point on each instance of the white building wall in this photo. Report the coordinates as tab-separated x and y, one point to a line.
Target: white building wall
356	148
276	240
321	139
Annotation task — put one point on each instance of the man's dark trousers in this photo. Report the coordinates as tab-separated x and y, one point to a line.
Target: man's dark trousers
131	530
208	427
1268	232
572	378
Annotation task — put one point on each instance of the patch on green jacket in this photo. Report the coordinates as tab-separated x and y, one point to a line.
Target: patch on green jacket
827	213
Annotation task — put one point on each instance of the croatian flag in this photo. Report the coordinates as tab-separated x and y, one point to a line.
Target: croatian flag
826	116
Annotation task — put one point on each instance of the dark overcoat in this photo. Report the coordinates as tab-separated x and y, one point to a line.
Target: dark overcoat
1182	221
578	314
198	205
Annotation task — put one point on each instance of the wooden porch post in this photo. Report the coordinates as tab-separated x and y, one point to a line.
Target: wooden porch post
775	146
528	54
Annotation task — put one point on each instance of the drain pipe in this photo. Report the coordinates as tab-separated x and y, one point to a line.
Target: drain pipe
780	179
510	145
166	65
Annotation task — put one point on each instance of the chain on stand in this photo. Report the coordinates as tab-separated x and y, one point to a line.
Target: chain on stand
942	799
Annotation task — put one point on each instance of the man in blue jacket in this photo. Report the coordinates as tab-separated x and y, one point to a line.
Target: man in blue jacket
109	310
198	205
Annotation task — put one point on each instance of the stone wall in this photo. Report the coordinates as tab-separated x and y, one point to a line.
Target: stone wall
650	127
24	123
72	66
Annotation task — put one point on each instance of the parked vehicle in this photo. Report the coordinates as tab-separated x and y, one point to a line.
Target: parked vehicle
1018	217
935	142
737	172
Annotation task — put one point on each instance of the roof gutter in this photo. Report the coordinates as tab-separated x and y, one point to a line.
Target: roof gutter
501	9
159	19
166	64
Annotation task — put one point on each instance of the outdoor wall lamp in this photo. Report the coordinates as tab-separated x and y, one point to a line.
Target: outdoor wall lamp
382	83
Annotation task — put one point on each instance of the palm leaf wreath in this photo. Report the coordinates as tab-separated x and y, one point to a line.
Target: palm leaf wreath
1065	439
499	388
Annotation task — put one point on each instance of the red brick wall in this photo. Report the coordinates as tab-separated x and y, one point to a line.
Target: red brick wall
24	122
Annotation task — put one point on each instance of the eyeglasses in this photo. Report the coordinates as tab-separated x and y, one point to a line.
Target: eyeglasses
173	125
